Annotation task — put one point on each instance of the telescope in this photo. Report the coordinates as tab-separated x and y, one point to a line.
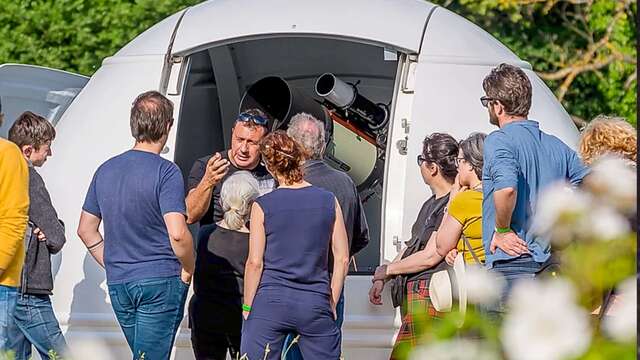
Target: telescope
351	105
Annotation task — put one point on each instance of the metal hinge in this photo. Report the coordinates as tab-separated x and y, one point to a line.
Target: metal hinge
402	145
397	243
409	74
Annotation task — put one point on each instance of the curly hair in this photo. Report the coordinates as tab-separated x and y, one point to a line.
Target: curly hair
283	156
608	134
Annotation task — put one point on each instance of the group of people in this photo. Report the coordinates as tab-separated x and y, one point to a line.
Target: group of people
278	226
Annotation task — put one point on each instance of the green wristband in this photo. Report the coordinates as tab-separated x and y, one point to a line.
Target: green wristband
246	307
503	230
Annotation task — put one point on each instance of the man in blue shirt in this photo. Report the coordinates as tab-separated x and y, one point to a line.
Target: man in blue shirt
147	249
520	160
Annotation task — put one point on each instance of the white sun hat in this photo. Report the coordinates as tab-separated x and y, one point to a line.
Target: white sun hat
448	284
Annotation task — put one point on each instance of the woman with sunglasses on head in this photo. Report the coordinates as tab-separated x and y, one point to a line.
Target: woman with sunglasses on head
438	169
287	287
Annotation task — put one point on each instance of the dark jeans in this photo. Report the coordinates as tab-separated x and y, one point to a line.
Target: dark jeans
8	298
34	323
149	312
294	352
512	271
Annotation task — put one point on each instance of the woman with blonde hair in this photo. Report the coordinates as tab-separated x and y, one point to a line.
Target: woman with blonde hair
215	310
608	135
287	283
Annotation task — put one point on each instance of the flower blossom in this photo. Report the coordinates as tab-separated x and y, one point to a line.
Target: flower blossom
544	322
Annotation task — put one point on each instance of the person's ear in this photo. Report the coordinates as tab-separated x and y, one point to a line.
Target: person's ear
499	108
433	169
27	150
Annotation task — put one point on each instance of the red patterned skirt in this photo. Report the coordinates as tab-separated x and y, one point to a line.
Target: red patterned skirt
418	306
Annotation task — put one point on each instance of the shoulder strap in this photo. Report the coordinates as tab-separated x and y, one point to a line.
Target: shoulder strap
473	253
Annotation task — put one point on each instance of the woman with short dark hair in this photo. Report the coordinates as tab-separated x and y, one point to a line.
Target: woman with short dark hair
419	260
287	284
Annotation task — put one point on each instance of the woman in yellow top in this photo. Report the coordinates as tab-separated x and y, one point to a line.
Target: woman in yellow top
463	218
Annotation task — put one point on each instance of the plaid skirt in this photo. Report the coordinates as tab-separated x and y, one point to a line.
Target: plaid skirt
418	307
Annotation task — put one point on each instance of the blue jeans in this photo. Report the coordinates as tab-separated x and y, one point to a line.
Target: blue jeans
294	352
149	312
8	298
34	323
512	271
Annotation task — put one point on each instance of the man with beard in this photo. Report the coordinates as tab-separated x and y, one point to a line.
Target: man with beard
520	160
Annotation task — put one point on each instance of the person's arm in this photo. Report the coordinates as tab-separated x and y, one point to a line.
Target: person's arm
360	227
448	235
505	202
576	170
340	250
172	207
421	260
44	215
503	168
255	259
199	198
181	242
89	233
14	207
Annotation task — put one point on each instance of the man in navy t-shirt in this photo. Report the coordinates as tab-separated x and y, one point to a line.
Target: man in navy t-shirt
147	249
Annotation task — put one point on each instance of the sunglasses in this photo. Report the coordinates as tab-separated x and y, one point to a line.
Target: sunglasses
256	119
485	100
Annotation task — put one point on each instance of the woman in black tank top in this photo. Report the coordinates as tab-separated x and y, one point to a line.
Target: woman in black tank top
215	309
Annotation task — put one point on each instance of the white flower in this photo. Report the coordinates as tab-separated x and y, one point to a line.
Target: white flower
454	350
544	322
622	324
604	223
483	287
558	210
614	181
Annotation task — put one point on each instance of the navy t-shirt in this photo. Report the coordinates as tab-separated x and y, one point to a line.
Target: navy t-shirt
130	193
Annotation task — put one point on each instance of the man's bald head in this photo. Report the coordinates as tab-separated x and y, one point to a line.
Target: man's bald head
151	117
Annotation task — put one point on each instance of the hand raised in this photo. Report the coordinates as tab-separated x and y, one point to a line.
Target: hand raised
216	169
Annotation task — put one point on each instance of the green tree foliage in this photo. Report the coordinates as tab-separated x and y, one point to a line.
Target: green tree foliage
75	35
585	50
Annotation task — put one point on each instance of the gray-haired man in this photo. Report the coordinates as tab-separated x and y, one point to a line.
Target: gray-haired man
309	132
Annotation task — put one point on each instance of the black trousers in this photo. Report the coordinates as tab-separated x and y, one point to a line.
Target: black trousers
215	329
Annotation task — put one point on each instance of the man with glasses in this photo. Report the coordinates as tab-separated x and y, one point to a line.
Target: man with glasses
520	160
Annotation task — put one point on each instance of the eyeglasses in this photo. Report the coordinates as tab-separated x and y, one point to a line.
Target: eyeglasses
256	119
485	100
458	160
421	159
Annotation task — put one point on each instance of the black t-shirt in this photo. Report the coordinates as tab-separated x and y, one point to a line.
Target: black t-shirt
428	221
214	212
220	266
